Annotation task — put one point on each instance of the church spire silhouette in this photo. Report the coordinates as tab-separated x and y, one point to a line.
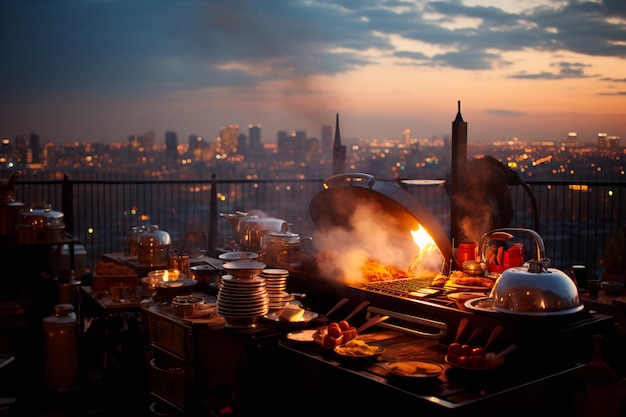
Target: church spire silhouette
339	151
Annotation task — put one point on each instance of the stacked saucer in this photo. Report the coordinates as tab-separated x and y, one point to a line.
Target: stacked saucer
242	301
276	284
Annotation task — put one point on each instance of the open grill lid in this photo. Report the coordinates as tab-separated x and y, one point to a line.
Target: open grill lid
398	212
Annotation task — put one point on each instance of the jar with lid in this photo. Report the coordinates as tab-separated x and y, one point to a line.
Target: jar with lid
283	249
153	247
61	349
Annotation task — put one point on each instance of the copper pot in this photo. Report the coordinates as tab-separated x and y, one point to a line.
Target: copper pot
40	225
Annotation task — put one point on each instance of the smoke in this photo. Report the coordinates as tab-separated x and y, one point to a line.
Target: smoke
370	234
484	201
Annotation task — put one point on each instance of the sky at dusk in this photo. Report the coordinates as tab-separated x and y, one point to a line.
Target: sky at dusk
102	70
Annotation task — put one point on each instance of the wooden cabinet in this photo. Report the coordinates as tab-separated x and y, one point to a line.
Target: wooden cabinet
170	362
201	368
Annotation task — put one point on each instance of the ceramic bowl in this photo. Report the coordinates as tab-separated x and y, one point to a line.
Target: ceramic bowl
244	268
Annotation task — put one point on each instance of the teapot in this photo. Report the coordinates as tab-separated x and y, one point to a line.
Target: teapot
533	289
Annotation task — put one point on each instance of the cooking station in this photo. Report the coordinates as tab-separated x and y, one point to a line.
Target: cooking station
539	376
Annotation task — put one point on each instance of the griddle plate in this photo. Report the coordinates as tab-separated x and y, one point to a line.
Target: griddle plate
401	287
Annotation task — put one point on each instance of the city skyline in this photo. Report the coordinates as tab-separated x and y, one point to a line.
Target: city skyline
102	71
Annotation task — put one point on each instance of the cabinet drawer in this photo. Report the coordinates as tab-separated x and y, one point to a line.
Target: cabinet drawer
168	336
169	384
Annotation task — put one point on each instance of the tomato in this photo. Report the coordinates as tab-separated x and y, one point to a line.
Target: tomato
349	334
479	351
329	341
465	361
454	348
466	350
479	362
334	330
453	358
344	325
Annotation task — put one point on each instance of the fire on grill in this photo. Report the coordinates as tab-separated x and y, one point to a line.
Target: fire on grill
369	232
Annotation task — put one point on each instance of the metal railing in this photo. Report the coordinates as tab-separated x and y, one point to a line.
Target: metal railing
575	219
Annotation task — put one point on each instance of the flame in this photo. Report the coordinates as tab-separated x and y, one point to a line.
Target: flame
422	239
424	244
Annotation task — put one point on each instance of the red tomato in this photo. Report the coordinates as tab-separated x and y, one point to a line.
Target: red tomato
334	330
344	325
479	351
479	362
329	341
453	357
349	334
466	350
454	348
465	361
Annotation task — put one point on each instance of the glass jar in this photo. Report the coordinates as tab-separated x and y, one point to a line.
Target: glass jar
283	249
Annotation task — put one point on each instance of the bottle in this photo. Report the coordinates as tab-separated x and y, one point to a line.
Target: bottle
61	349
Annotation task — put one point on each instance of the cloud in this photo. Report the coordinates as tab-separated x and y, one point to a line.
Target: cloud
504	112
565	70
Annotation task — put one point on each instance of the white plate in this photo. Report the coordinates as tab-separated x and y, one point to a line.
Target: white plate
236	256
274	271
237	282
303	336
306	317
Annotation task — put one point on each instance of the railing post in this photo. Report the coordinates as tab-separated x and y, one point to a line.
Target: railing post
213	218
67	202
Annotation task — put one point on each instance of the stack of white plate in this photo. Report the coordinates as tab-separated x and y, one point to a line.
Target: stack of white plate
242	301
276	284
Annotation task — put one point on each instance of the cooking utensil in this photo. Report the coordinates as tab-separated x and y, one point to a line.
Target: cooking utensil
324	317
344	195
462	323
358	308
494	333
475	333
371	322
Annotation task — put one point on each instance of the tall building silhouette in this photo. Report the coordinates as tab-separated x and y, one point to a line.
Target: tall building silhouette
35	149
254	137
459	166
171	146
339	151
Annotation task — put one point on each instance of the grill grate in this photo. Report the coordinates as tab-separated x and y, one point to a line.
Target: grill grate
399	287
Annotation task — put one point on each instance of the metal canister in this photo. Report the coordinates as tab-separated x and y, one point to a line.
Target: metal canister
153	247
61	349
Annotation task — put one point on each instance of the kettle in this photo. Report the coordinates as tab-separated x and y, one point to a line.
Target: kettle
533	289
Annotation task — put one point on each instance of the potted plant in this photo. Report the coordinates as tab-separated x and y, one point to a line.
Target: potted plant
614	258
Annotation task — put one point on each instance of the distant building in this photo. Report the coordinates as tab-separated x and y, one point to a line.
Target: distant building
572	138
254	137
339	151
35	149
228	140
171	146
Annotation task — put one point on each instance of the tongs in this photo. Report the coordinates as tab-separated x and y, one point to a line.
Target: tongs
324	317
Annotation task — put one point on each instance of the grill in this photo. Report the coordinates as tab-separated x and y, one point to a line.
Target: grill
415	287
